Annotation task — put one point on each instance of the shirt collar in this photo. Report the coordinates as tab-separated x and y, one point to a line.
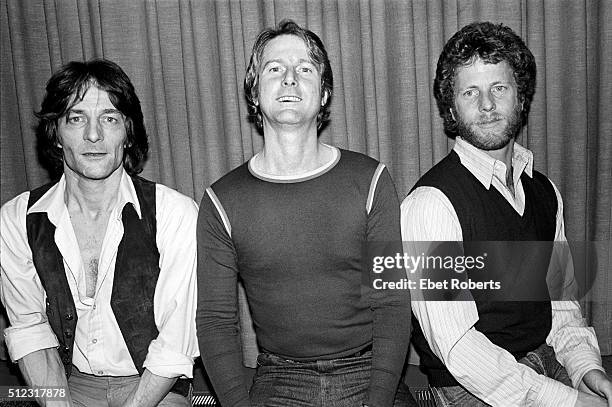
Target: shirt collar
484	167
52	202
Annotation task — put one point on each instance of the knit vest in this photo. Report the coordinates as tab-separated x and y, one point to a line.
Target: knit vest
485	215
135	277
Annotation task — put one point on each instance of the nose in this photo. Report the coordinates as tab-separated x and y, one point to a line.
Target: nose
486	102
93	132
289	78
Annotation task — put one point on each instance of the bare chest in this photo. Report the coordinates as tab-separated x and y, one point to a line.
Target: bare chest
90	237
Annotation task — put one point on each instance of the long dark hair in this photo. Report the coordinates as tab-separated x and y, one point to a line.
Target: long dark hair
67	87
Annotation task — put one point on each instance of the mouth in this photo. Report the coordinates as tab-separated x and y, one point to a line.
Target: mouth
94	155
289	99
488	123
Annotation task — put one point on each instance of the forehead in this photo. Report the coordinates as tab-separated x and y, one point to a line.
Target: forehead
480	73
285	46
94	98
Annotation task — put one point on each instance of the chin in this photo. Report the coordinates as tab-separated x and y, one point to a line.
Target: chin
95	174
490	142
495	138
483	140
289	117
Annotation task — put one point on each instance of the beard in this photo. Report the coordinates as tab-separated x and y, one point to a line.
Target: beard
492	139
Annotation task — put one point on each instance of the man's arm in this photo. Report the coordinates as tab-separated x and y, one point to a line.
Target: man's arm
45	369
150	391
391	308
486	370
171	354
574	342
216	317
29	337
597	382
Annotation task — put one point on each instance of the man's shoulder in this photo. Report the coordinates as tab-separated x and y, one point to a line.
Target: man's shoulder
22	201
543	188
442	172
172	199
168	201
31	195
235	180
22	197
162	190
354	158
541	177
13	214
15	207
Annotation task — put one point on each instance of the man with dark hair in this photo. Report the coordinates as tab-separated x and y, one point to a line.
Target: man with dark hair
291	224
98	268
483	351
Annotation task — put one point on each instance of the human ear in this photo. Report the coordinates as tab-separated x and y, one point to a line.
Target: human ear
324	98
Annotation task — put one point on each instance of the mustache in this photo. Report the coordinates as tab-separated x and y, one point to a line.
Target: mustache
488	118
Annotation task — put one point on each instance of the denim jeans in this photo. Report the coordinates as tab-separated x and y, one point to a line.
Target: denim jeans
323	383
542	360
109	391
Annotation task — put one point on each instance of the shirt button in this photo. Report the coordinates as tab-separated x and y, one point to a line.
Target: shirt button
94	341
94	306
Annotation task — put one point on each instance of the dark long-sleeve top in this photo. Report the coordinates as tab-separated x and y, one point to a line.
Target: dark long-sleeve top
298	246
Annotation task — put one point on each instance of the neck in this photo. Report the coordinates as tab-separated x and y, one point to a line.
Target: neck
292	151
504	154
91	197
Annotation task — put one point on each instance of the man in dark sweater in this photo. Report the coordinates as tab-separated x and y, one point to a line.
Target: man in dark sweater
480	352
291	224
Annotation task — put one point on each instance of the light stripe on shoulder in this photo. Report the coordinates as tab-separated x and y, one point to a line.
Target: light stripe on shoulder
215	200
373	185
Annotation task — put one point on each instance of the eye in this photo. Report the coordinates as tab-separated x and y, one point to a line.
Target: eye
470	93
305	69
499	89
110	119
275	68
75	119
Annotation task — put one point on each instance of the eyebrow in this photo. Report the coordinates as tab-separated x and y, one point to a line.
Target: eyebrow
105	111
280	61
491	84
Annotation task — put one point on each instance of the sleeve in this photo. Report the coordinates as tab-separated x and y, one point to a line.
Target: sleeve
391	308
574	342
20	288
484	369
216	316
172	353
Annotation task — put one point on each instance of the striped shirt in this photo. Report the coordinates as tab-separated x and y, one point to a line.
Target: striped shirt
486	370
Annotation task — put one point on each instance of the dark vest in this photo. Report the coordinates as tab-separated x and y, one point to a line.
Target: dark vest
136	274
484	216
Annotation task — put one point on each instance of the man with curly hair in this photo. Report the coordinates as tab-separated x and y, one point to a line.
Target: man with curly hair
98	268
480	350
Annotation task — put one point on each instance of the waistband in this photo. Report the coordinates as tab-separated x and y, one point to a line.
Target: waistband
182	387
360	352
